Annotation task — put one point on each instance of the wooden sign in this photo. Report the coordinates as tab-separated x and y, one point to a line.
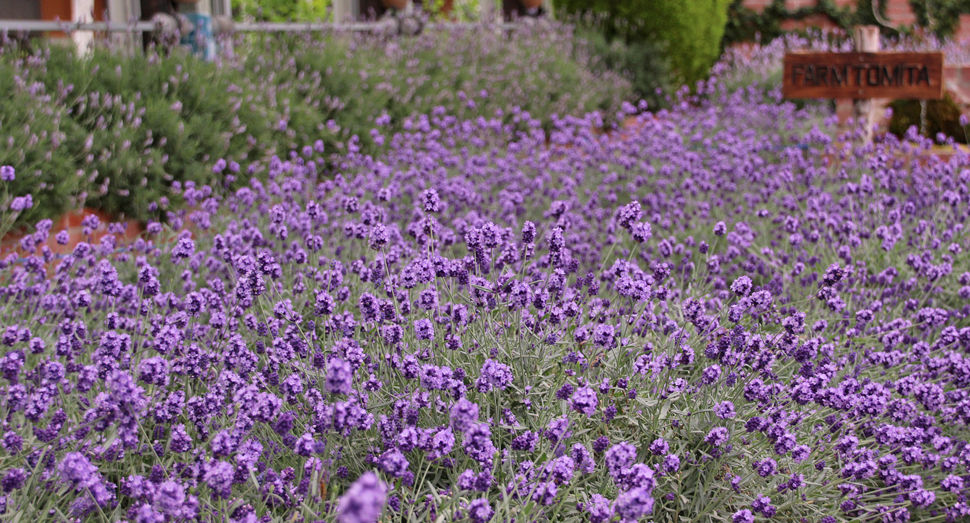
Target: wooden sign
898	76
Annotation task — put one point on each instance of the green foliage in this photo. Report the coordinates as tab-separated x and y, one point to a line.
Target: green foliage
34	136
147	122
123	130
939	16
357	79
282	10
643	63
746	25
942	116
691	30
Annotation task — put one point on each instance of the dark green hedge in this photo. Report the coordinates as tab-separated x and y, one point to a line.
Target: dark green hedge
690	30
942	116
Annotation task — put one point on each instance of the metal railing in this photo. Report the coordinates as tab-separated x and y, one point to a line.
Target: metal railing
17	26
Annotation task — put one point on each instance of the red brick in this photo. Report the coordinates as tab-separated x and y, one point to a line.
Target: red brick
962	33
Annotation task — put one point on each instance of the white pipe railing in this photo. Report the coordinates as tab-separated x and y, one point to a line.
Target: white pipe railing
15	26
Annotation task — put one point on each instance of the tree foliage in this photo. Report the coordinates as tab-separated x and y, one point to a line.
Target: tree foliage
282	10
690	30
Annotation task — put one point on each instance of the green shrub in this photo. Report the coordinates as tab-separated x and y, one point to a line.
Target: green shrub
642	63
747	25
140	123
129	128
691	30
356	79
35	136
281	10
942	116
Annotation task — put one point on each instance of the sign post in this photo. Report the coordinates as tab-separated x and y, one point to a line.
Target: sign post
866	38
864	76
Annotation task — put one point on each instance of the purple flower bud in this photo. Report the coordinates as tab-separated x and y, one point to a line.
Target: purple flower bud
364	500
340	377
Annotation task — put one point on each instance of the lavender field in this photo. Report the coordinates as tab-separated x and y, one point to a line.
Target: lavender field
724	311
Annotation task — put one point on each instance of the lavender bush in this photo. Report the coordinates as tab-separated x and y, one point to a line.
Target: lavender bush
723	313
116	131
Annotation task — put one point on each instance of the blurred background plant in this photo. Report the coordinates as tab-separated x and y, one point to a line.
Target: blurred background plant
690	31
282	10
121	128
643	63
942	116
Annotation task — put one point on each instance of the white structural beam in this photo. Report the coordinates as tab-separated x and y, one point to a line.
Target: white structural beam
124	11
82	11
488	11
343	11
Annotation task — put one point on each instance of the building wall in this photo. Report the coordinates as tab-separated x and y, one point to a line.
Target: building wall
20	10
897	11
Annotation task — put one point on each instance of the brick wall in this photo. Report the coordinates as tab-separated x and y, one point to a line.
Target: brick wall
962	33
956	78
897	11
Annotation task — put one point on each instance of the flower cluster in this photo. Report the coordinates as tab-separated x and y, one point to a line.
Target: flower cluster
694	316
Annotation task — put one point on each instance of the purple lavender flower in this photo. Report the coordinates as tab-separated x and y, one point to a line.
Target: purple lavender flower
717	437
424	329
219	478
78	470
724	410
619	458
634	504
463	415
743	516
603	335
526	441
498	375
600	509
641	232
431	201
584	400
169	498
528	232
766	467
364	500
378	237
628	214
833	275
340	376
761	504
480	510
557	430
394	463
601	444
13	480
545	493
561	470
742	286
7	173
478	443
582	458
671	463
185	248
